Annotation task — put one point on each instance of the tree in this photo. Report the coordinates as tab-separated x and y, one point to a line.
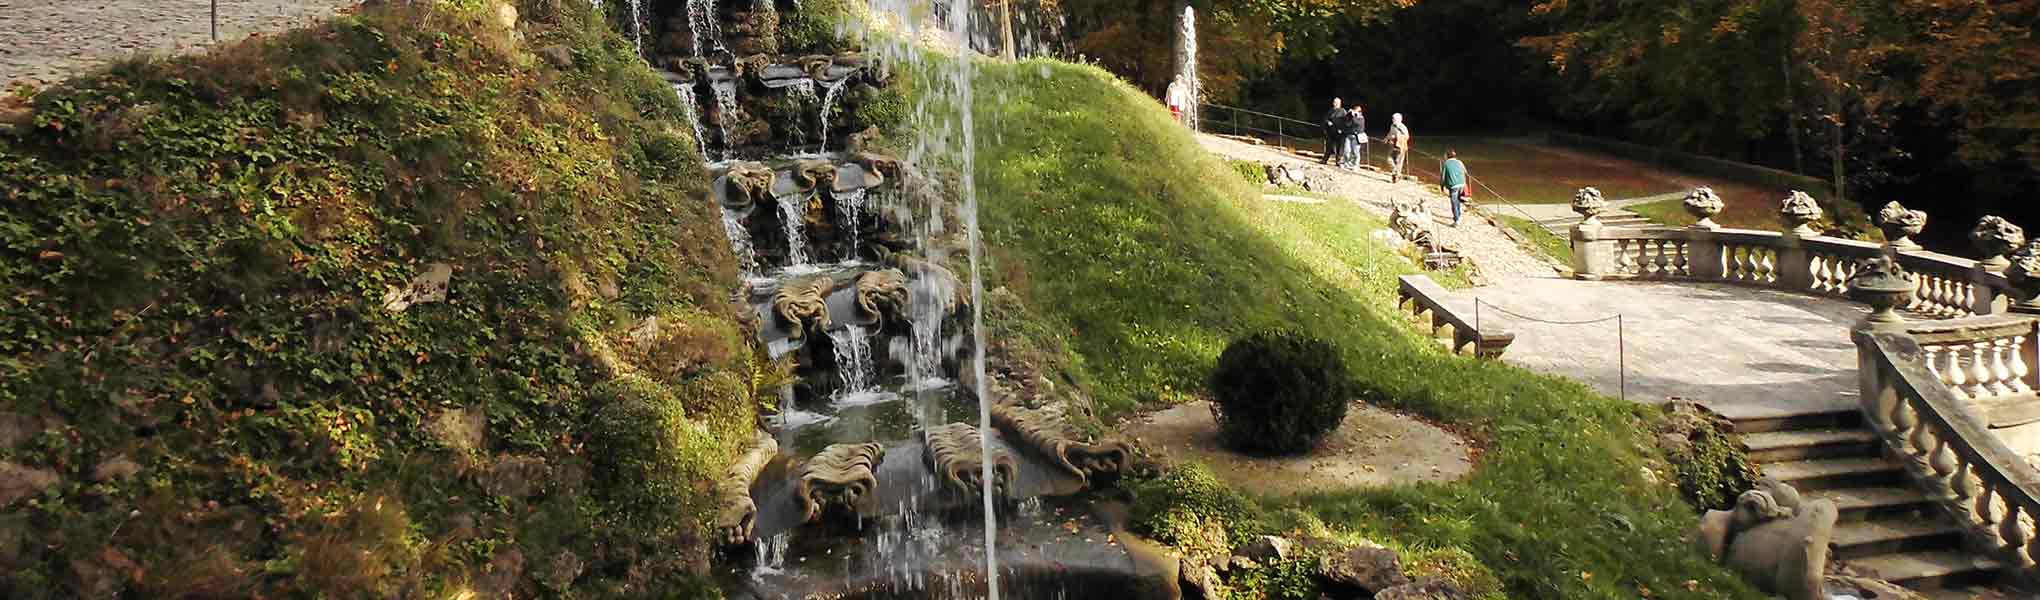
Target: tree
1236	39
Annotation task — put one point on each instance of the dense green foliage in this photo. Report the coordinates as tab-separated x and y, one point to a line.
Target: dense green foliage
1160	254
197	252
1279	392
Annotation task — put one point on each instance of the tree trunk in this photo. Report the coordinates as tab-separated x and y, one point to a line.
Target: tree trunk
1835	110
1792	111
1006	29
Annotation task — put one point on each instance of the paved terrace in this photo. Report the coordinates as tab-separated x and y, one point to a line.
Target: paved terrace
1743	351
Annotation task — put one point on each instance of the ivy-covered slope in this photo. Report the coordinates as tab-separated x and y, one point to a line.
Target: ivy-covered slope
204	386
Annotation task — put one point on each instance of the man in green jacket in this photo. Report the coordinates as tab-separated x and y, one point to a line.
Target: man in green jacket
1455	183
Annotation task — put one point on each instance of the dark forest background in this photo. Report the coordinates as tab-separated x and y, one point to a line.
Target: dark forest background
1935	103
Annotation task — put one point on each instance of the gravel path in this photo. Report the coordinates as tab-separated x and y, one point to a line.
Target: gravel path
1494	254
46	41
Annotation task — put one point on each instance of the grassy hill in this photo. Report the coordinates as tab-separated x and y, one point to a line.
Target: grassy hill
206	389
1114	226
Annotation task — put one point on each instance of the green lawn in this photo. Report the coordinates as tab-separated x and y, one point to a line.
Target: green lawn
1553	245
1146	255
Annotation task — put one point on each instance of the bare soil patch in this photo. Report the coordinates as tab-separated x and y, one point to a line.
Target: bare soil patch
1372	448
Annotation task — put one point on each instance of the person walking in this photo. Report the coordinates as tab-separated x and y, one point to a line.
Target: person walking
1178	98
1398	147
1334	131
1456	183
1359	133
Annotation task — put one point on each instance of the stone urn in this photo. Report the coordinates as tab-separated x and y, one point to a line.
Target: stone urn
2024	273
1703	204
1588	203
1880	283
1800	212
1996	237
1900	224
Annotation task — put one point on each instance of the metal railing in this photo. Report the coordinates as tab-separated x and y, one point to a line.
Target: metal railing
1243	122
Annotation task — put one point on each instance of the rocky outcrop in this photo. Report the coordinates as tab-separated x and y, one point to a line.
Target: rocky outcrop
839	477
1424	589
738	517
812	175
802	306
956	453
1366	569
1048	431
1412	221
1773	538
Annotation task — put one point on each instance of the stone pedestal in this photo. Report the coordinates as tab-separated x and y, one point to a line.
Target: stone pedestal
1795	267
1593	257
1703	254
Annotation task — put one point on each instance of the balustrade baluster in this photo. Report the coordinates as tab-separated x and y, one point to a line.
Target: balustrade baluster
1685	265
1979	369
1965	480
1953	373
1921	442
2011	531
1942	459
1931	355
2018	368
2000	374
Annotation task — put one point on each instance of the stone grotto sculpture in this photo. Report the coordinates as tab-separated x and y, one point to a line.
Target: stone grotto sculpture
882	297
738	518
1048	431
802	305
2024	273
812	175
839	477
956	453
1773	538
1412	221
746	184
1800	212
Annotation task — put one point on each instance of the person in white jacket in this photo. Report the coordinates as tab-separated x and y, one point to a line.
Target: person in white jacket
1178	98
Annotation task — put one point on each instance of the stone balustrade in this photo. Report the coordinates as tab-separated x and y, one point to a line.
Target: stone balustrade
1930	391
1427	300
1948	286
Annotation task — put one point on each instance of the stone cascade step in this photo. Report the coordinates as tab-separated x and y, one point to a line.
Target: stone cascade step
1886	527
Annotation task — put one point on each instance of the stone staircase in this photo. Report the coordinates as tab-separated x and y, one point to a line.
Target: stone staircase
1887	526
1617	215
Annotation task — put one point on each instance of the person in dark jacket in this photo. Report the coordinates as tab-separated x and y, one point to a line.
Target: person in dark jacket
1335	134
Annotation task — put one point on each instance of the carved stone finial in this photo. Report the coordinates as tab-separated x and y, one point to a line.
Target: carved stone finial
1996	237
1588	203
1900	224
1882	284
1800	212
1703	204
2024	274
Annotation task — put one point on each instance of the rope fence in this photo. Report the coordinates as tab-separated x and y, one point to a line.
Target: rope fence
1621	344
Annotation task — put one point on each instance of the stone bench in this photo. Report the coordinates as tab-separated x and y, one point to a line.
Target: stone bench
1423	297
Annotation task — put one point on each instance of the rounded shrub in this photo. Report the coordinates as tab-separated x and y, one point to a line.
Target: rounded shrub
1279	392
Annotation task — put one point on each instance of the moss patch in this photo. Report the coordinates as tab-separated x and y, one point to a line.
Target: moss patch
197	252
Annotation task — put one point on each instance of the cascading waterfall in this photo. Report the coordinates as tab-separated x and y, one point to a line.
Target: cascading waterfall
793	214
740	242
829	102
851	204
691	104
637	26
947	135
853	358
725	103
707	28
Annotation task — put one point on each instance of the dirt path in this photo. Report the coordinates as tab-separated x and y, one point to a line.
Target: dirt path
47	41
1372	448
1494	254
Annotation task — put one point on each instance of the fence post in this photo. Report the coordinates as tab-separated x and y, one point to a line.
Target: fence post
216	21
1279	139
